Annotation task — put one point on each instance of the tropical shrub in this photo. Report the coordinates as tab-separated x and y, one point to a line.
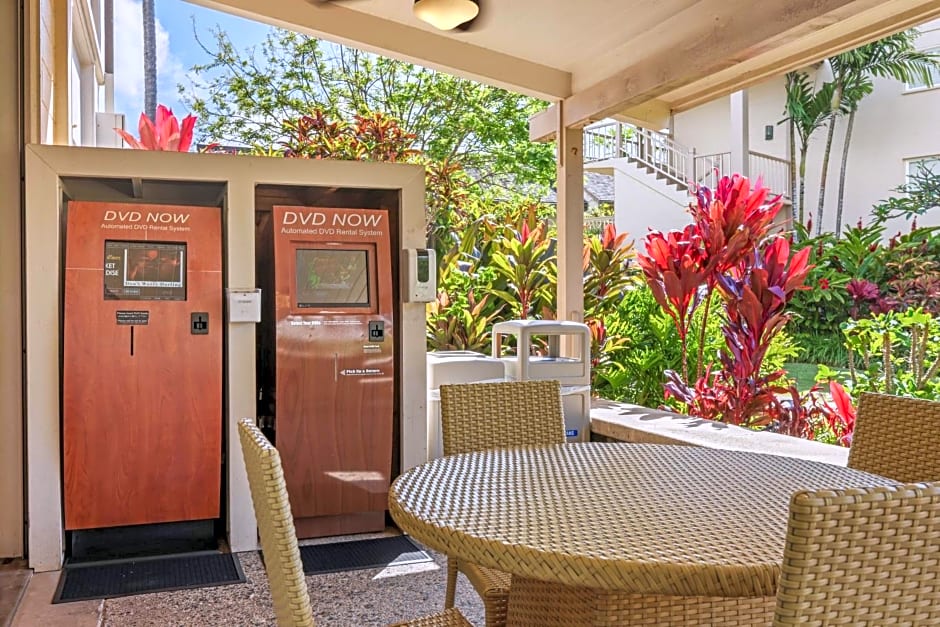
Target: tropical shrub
859	275
644	344
895	352
371	137
728	249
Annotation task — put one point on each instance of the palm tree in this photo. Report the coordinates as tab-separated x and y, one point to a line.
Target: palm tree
892	57
806	110
150	60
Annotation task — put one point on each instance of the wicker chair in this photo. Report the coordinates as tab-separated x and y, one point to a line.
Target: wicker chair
481	416
279	539
862	556
897	438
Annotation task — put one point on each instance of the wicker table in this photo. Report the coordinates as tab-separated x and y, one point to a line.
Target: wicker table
617	534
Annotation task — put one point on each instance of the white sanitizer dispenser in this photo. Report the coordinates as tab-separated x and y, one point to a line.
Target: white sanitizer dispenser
420	275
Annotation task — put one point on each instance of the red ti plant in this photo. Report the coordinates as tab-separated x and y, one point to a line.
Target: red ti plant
682	267
727	248
754	302
676	266
165	133
840	414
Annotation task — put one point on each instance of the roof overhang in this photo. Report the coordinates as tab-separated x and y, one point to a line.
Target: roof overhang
635	60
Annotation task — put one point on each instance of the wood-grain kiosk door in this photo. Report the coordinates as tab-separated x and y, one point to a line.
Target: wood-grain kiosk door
142	371
335	360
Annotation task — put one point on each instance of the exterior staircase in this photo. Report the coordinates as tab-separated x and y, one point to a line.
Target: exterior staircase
675	166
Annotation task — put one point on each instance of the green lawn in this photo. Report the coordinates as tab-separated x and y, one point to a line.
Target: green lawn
803	374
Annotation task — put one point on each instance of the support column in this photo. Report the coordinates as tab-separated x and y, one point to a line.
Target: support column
570	224
740	142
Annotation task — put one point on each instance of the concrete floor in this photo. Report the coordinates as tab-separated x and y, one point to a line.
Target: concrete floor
349	599
14	576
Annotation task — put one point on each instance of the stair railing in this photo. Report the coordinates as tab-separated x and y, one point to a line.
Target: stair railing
670	160
667	159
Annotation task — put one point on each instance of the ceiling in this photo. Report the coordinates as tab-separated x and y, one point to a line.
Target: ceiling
637	59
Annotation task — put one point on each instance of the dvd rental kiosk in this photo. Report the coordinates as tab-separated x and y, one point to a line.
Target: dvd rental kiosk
142	364
335	361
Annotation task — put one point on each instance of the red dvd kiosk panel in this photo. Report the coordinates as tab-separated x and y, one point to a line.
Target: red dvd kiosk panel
142	364
335	385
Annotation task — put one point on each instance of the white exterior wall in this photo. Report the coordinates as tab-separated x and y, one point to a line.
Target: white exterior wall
641	201
892	125
638	196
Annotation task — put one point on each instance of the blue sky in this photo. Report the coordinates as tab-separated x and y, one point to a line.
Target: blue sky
177	50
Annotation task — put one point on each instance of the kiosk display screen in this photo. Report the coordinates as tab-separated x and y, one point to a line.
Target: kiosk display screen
332	278
144	270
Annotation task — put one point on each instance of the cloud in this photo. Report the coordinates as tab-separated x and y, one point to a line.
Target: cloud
129	63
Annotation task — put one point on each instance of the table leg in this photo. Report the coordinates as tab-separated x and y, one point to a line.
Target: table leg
533	602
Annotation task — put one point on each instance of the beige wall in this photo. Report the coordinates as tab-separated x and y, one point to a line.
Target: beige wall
11	417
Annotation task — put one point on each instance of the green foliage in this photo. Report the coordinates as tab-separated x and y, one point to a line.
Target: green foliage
633	371
495	267
906	273
920	194
374	137
819	312
524	260
464	312
892	353
250	92
648	344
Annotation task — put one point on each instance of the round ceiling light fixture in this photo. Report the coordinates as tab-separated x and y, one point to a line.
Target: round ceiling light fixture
446	14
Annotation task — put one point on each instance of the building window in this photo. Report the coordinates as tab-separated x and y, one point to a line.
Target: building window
934	75
913	167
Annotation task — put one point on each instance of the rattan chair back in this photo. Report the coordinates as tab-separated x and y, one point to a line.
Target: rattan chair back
897	437
862	556
483	416
276	528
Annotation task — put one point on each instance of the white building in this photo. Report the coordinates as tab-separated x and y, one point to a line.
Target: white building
896	126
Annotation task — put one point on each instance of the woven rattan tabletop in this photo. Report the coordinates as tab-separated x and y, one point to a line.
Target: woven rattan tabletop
640	518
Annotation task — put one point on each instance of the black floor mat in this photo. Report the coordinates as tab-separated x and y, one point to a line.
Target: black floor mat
357	554
152	574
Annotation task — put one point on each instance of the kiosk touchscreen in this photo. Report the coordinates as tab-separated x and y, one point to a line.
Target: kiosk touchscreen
142	364
334	365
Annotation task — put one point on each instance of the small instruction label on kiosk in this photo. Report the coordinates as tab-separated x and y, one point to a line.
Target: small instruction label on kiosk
371	348
137	318
360	372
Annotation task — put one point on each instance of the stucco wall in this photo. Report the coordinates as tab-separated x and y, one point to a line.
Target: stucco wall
641	204
892	125
11	417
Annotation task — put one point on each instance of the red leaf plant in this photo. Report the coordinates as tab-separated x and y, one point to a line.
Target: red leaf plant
165	133
682	267
840	414
728	248
754	305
